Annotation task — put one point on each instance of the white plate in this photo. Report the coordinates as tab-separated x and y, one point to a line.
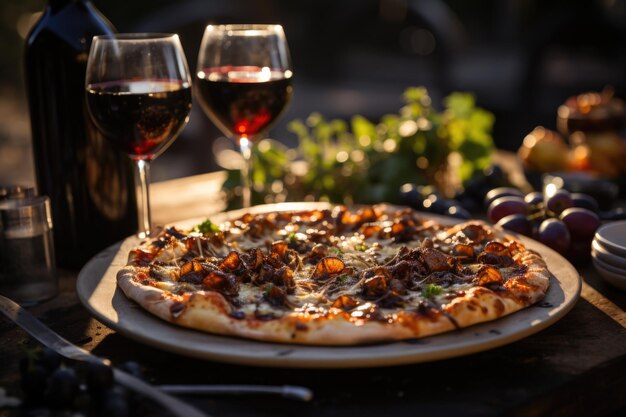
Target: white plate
613	237
601	253
96	288
617	279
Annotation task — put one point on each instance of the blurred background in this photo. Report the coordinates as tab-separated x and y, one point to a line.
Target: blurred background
521	59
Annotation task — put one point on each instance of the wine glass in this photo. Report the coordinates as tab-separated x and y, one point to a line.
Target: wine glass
244	84
139	97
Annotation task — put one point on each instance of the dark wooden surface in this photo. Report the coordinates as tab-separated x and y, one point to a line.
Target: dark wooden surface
576	367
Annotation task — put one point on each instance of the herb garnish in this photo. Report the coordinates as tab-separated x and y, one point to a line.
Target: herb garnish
431	290
207	227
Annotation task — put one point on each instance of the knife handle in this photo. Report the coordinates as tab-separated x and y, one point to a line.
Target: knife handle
176	406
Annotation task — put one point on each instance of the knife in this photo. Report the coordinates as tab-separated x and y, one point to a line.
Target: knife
55	342
48	338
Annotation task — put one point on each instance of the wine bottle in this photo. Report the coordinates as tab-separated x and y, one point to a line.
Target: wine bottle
90	184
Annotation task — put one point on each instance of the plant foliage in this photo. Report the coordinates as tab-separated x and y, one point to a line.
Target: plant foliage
365	162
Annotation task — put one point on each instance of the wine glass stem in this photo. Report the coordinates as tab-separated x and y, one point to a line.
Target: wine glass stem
245	146
142	179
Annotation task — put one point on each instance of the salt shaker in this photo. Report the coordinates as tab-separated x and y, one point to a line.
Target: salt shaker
27	265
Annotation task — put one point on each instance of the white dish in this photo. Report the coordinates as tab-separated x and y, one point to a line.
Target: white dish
96	288
613	237
603	254
617	279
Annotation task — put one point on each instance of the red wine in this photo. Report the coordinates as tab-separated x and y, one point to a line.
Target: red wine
243	101
140	118
90	185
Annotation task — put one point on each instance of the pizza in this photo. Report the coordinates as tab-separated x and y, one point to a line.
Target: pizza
334	276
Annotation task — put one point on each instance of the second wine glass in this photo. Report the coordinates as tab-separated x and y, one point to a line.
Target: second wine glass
244	84
139	97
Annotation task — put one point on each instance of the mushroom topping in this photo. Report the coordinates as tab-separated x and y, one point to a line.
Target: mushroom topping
375	282
328	267
274	295
435	260
488	275
495	253
317	252
464	252
224	283
232	263
345	302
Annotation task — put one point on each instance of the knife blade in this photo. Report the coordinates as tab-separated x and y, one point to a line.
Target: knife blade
288	391
52	340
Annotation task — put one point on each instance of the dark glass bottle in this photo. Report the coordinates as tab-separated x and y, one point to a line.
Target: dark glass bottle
90	185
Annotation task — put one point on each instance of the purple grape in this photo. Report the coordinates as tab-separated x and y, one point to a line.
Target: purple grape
534	199
63	388
99	377
458	212
581	223
517	223
505	206
501	192
554	233
559	201
585	201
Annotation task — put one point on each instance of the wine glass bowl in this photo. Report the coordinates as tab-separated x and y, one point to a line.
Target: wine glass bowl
138	90
244	83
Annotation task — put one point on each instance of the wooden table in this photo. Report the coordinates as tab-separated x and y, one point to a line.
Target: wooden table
576	367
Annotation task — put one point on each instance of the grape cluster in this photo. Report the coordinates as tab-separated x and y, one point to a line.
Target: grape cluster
427	198
564	221
85	389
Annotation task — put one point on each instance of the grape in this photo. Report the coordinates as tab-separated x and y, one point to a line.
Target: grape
435	203
99	377
559	201
618	213
505	206
585	201
63	387
133	368
115	403
495	175
517	223
554	233
411	196
458	212
501	192
581	223
534	199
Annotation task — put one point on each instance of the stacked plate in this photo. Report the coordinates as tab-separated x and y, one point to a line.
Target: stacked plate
608	252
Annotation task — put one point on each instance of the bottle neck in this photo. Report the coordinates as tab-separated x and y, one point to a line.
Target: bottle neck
56	5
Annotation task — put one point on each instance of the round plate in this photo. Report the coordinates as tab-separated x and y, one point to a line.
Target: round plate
97	290
612	236
612	275
603	254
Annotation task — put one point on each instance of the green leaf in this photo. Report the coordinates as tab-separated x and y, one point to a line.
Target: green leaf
361	127
460	104
431	291
207	227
